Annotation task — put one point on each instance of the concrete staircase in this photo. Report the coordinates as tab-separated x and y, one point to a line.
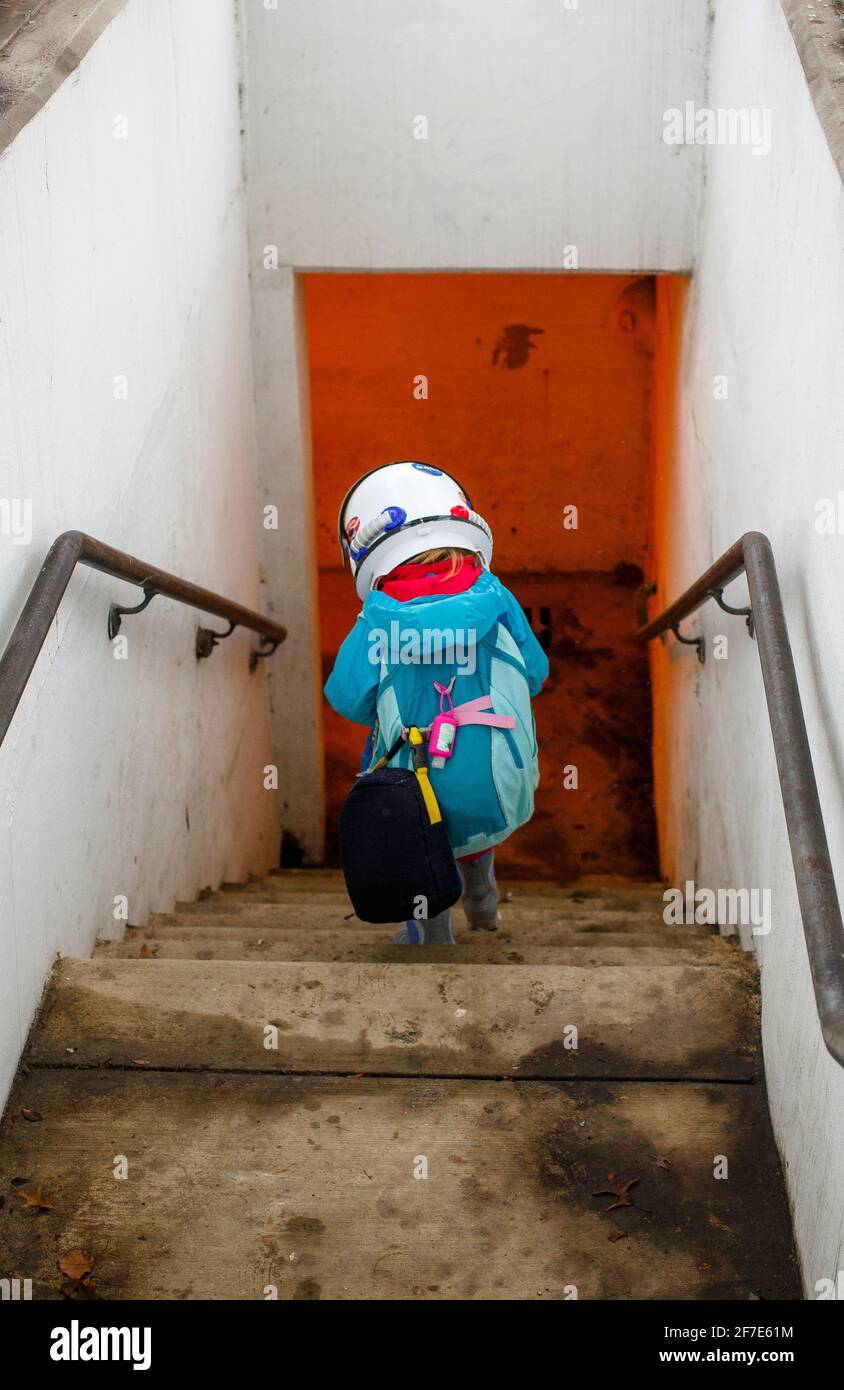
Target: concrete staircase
304	1110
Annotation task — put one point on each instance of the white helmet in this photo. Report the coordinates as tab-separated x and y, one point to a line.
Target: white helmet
395	511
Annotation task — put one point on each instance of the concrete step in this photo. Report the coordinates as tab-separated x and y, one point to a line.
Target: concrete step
228	903
329	934
648	897
319	917
241	1184
477	947
329	880
513	888
441	1020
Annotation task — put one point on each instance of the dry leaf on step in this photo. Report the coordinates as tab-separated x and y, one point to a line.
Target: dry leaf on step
622	1193
34	1200
76	1263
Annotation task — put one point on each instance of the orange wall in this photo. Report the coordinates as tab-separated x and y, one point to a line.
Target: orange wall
671	300
528	421
539	396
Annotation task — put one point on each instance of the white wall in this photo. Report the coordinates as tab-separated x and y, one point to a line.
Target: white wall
288	565
128	257
766	309
545	131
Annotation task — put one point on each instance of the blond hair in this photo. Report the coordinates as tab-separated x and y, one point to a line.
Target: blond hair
431	557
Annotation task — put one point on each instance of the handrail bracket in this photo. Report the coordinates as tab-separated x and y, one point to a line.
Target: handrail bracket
699	642
256	655
207	639
117	612
746	613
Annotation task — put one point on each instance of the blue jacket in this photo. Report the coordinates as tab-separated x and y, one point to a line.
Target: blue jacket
352	687
481	639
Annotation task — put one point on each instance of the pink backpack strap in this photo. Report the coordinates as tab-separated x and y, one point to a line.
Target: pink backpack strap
472	713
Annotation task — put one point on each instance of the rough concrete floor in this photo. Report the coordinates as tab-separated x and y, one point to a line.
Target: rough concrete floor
417	1126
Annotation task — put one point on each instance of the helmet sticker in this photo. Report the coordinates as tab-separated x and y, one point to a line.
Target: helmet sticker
427	468
352	527
396	516
460	511
463	498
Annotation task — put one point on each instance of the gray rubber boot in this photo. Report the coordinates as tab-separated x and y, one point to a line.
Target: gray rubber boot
438	931
480	893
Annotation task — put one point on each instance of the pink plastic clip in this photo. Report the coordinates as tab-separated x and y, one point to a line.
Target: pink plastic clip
444	728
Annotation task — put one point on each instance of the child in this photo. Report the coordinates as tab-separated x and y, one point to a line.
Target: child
438	632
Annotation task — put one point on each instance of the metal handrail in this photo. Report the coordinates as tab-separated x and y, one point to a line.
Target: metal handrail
75	548
816	891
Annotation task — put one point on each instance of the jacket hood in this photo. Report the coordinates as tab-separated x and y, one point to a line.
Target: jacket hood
474	612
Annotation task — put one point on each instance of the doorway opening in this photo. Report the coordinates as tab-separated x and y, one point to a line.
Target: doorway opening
537	392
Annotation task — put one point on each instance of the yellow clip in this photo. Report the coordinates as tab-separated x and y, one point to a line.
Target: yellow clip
431	803
427	791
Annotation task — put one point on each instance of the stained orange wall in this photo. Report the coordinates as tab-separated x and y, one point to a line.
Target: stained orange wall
671	302
529	421
539	396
